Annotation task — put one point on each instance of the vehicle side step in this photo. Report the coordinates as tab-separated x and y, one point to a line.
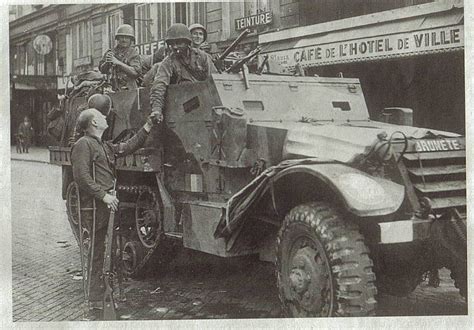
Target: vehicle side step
174	235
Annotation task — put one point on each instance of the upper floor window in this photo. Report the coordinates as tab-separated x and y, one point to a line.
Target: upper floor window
190	12
81	39
143	24
252	7
164	19
114	20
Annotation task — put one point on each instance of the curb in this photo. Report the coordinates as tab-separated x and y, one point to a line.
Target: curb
30	160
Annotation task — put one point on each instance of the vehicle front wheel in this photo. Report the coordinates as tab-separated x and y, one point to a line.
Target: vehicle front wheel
323	266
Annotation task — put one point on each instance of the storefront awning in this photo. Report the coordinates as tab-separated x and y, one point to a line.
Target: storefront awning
386	35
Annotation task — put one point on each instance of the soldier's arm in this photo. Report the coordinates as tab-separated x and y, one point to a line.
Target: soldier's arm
134	69
105	66
160	85
133	144
81	159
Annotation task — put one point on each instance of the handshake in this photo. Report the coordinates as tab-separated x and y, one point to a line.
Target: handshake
155	118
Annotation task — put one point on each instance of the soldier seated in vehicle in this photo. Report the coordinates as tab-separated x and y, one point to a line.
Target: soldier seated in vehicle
123	62
149	70
199	37
184	64
93	166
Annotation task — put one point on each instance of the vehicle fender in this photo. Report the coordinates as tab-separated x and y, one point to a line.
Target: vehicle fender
361	194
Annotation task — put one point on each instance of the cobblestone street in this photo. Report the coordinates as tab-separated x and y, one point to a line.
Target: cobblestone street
197	286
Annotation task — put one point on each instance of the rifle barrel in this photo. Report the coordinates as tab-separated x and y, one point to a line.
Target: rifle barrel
233	45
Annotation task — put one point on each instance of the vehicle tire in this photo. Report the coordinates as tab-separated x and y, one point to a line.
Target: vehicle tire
323	266
72	208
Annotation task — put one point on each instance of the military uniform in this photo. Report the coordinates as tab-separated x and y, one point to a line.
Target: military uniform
173	70
130	57
86	151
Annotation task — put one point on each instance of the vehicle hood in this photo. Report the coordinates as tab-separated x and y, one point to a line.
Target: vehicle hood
344	141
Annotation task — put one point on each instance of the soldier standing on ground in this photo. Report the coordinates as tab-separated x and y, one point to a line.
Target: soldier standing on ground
184	64
25	133
93	165
123	62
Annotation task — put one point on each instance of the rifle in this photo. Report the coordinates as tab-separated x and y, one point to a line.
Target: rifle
218	62
109	305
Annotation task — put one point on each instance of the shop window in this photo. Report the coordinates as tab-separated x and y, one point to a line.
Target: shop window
143	24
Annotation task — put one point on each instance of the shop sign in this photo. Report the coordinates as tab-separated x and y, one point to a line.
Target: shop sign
438	145
259	19
394	45
86	60
42	44
149	48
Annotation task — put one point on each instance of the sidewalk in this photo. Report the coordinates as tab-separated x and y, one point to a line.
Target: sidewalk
36	154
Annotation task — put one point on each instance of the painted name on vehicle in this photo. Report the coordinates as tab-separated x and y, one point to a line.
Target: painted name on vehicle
438	145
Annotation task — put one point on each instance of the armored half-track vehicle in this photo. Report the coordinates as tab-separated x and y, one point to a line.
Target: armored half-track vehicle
293	169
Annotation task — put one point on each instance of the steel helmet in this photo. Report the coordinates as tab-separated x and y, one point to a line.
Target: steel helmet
125	30
198	26
101	102
178	31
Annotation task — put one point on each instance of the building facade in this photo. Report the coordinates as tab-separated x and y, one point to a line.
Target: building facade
407	53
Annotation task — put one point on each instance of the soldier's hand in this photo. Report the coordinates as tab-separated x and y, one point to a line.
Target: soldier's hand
156	117
111	201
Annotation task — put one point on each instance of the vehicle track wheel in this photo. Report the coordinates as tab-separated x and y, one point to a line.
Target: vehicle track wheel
323	266
148	218
72	208
132	257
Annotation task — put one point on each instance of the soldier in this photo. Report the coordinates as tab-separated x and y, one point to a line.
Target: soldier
148	61
123	62
159	56
93	166
199	37
101	102
184	64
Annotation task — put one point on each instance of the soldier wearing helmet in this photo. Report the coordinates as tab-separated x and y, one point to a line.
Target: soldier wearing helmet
123	62
199	37
184	64
101	102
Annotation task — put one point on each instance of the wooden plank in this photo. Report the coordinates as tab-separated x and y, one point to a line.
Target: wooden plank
431	187
448	202
438	170
435	155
